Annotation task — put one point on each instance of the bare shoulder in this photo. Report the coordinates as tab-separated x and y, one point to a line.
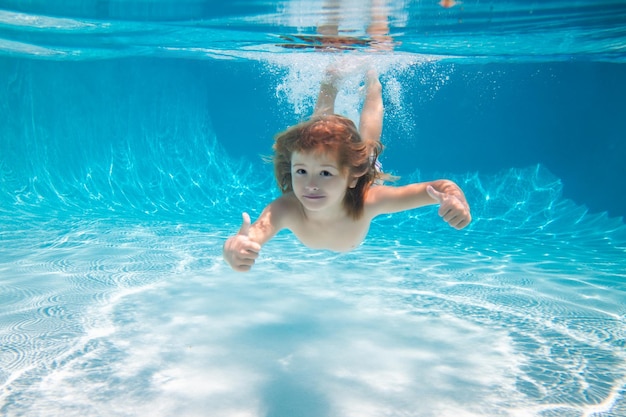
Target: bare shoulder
277	215
286	203
283	211
375	198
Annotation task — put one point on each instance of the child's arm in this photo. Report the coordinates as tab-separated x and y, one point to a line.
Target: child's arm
242	249
325	104
453	207
371	122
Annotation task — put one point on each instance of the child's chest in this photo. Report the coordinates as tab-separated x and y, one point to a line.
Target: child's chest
339	236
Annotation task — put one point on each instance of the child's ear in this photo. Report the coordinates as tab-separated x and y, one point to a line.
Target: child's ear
355	178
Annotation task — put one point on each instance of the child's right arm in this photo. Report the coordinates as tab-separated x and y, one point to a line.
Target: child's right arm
242	249
239	250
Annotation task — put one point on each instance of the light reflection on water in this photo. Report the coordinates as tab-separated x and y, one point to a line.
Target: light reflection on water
138	318
114	299
484	30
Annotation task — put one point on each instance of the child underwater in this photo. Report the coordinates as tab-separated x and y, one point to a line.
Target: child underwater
331	182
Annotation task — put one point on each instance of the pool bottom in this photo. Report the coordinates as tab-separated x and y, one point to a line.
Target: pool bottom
124	318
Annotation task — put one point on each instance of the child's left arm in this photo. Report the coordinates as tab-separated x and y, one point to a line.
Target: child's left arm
453	207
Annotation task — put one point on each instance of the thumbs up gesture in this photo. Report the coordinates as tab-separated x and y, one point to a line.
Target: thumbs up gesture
239	251
452	209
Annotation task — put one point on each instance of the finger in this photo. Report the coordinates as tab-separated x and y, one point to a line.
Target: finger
444	211
434	194
452	207
447	208
242	268
460	225
243	264
249	253
252	248
460	221
449	216
466	221
246	262
245	227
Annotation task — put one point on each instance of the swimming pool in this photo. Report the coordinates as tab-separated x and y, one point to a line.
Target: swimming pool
132	137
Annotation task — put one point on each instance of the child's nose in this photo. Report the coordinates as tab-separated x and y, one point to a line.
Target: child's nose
312	185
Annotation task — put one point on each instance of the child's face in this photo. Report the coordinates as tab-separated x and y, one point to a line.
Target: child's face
318	181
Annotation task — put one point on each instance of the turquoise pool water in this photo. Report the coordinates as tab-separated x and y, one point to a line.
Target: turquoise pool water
132	136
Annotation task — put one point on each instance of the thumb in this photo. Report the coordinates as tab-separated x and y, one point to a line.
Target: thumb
434	194
245	226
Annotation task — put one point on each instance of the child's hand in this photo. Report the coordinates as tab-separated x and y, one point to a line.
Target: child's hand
239	251
451	208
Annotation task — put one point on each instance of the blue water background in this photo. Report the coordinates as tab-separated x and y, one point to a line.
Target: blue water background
132	136
488	118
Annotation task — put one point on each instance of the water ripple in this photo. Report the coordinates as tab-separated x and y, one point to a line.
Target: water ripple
79	311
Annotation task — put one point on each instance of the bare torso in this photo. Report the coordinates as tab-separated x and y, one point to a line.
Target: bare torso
338	236
341	233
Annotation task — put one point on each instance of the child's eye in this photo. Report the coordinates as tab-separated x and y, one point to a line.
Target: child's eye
326	174
300	171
